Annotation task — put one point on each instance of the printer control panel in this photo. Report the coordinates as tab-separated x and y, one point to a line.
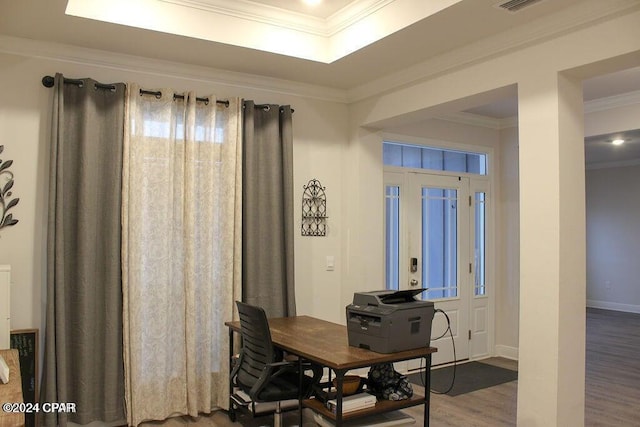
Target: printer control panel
373	309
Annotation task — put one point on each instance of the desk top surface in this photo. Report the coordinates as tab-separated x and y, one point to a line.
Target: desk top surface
327	343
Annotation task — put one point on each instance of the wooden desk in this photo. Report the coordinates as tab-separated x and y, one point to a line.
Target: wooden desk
327	344
12	391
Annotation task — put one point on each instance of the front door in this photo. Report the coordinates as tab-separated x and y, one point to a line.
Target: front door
432	242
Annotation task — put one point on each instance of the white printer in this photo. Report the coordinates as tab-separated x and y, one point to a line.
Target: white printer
389	321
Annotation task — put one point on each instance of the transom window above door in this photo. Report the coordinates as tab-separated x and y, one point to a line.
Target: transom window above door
431	158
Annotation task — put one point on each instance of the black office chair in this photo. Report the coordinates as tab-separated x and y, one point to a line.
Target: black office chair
260	370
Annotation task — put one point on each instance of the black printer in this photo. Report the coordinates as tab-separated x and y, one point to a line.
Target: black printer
389	321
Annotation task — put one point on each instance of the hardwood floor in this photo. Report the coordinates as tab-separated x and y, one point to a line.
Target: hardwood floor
613	368
612	386
493	406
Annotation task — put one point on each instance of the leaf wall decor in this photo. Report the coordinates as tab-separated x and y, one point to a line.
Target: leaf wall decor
6	184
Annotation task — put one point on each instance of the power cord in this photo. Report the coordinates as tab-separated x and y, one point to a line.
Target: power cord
453	378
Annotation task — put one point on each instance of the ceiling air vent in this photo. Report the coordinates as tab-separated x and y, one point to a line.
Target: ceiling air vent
516	5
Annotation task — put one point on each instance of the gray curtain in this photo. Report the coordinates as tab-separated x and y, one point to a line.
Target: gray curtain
267	209
83	336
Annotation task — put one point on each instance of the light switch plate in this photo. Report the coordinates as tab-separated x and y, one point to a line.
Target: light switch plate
330	263
4	371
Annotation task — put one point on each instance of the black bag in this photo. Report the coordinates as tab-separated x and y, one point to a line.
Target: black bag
386	383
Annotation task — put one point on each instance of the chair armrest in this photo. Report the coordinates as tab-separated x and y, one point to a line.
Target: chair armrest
268	373
236	361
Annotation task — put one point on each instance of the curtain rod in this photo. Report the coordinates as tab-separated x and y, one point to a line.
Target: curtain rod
48	81
267	107
158	94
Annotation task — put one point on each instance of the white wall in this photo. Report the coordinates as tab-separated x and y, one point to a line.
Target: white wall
612	202
320	133
508	220
613	238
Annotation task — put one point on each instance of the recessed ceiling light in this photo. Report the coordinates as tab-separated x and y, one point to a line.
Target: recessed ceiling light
312	2
617	141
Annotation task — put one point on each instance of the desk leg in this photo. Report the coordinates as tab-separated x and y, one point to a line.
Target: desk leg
427	390
232	414
300	396
339	383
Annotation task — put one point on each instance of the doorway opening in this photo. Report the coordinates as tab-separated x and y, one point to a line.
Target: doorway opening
436	232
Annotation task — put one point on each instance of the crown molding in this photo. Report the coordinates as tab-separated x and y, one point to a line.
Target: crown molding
268	28
267	14
508	122
471	119
352	13
609	165
570	19
105	59
257	12
610	102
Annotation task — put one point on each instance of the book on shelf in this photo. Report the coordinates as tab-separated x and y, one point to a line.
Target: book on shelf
351	409
353	403
387	419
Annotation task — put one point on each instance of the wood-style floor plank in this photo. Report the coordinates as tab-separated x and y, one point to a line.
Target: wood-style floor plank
613	368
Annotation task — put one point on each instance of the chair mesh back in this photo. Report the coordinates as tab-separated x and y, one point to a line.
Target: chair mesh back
257	348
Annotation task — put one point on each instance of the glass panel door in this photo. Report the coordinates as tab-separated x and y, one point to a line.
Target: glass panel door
392	236
438	234
440	242
480	243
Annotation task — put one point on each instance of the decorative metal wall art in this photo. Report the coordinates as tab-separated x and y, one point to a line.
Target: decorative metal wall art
314	209
6	202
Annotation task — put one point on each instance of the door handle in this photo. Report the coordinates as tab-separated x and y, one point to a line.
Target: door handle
413	265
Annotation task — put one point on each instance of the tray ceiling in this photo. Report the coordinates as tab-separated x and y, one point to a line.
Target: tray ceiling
263	26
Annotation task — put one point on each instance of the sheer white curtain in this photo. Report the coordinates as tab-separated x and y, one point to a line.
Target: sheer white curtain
181	251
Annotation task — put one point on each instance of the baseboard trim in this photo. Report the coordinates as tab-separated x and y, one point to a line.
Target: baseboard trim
507	352
616	306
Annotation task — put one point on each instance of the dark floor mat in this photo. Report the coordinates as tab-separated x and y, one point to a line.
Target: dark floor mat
470	377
